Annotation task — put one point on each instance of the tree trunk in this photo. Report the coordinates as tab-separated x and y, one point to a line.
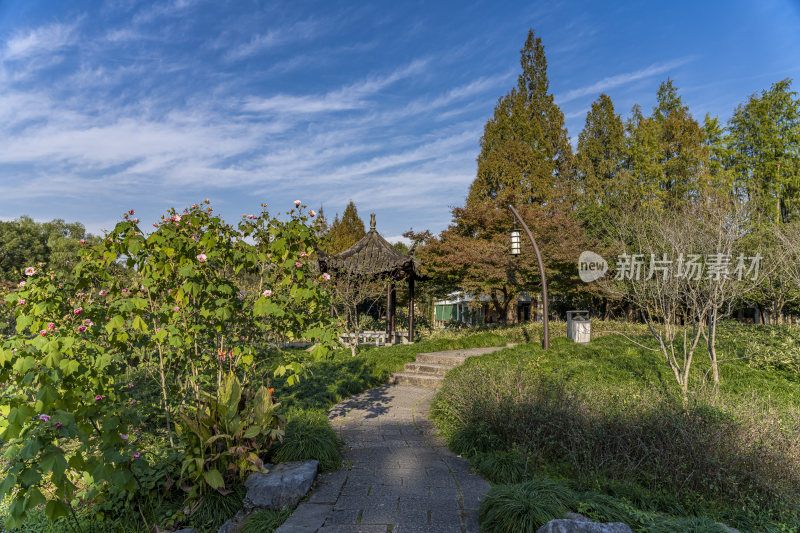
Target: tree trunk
712	347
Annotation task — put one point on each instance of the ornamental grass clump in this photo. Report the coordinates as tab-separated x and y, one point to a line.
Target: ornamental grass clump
525	507
309	435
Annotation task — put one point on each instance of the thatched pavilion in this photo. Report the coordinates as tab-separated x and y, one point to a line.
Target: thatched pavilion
374	258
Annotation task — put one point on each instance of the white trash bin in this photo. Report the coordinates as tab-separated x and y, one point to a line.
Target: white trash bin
579	328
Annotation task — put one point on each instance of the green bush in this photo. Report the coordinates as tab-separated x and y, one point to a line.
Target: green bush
474	438
603	508
686	525
500	466
309	435
525	507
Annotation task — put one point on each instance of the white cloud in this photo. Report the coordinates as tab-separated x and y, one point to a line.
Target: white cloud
164	9
39	41
284	103
345	98
299	31
622	79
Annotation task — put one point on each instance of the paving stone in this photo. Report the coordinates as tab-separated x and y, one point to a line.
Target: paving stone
342	516
395	516
307	517
399	477
428	528
353	529
349	502
471	520
328	487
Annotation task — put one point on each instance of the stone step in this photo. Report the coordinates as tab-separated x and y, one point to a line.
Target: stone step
428	381
454	357
427	368
434	358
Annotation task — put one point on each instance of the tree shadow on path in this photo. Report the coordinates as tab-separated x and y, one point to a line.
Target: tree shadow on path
374	401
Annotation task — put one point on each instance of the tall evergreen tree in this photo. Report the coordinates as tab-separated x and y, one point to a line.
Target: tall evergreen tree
345	232
525	154
526	159
765	146
719	157
601	151
643	172
683	156
667	160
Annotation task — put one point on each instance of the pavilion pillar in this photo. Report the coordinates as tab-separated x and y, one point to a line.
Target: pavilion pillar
392	320
388	310
411	308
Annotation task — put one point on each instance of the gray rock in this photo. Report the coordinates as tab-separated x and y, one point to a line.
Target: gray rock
581	526
577	516
728	529
234	525
283	486
186	530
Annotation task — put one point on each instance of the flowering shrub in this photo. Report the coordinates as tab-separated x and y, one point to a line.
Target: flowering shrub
66	410
199	299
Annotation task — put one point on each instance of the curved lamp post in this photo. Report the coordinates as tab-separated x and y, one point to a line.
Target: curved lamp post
515	250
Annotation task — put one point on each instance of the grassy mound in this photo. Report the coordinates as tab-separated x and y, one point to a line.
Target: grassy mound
608	418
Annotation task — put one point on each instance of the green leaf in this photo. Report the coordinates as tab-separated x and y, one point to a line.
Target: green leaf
69	366
252	432
29	477
116	322
77	462
187	270
33	498
24	364
7	484
230	392
55	509
47	395
214	479
139	324
134	246
23	321
262	406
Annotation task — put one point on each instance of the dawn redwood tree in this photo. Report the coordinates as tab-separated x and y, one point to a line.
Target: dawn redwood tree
599	162
345	232
525	160
765	150
720	174
642	172
666	155
682	153
525	153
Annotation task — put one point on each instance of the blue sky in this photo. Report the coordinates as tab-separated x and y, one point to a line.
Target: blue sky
113	105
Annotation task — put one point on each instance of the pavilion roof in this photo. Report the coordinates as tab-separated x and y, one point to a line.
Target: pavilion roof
371	256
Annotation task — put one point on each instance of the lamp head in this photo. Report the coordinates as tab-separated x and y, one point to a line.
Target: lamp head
515	242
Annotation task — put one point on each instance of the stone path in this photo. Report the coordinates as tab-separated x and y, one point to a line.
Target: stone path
399	476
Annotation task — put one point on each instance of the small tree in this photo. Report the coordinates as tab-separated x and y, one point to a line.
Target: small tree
683	269
349	293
